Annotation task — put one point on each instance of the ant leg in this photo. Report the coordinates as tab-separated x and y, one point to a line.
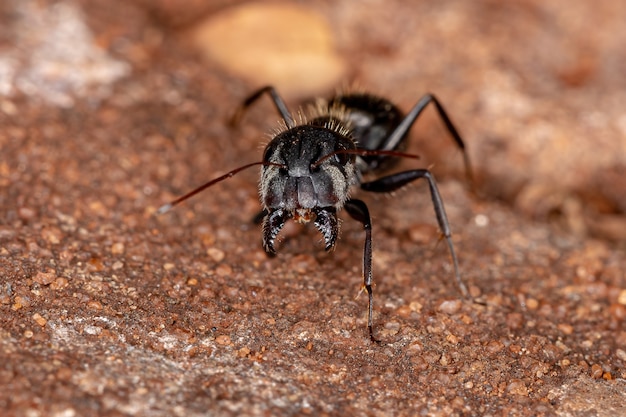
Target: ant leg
359	212
276	99
395	181
394	139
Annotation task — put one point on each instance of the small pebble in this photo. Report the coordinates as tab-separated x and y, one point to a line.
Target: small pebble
450	306
596	371
566	328
26	213
495	346
45	278
117	248
39	319
59	284
223	340
224	270
52	235
517	387
216	254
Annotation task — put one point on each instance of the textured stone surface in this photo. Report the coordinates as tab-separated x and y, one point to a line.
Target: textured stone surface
107	309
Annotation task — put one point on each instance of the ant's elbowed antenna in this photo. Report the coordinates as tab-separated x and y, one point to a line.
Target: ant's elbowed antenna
167	207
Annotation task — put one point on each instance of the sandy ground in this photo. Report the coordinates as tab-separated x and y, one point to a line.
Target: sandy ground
110	109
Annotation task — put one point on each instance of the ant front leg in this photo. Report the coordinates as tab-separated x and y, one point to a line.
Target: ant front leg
359	212
395	181
394	139
276	99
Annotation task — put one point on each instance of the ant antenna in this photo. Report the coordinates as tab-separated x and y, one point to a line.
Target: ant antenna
167	207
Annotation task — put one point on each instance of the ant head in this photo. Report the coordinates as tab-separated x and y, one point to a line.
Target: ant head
306	167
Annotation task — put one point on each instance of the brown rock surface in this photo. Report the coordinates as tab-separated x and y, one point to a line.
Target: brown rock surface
107	309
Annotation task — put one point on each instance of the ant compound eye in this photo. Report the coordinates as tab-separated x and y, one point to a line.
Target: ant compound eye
269	151
341	157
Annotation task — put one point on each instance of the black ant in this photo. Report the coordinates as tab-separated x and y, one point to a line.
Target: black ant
310	166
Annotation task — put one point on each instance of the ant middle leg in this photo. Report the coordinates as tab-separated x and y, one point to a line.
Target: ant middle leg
394	139
395	181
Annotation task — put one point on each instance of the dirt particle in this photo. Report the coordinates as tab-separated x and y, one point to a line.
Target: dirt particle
26	213
532	304
495	346
59	284
216	254
596	371
517	387
45	278
39	319
20	302
418	363
52	235
224	270
223	340
117	248
243	352
515	320
415	306
566	328
450	306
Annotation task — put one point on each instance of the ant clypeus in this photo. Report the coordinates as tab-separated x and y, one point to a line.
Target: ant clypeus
310	166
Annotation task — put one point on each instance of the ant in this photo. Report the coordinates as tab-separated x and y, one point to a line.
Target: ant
310	166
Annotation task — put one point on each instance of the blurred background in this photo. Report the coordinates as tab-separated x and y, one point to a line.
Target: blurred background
536	88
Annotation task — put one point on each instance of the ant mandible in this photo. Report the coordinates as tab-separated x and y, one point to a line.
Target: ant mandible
310	166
